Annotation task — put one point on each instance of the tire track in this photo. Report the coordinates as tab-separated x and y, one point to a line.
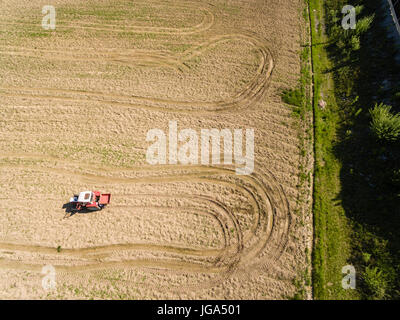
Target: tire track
270	225
246	98
260	242
127	57
206	23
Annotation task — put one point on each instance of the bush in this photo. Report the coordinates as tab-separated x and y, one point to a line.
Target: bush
294	97
375	282
364	24
349	40
355	43
384	125
366	257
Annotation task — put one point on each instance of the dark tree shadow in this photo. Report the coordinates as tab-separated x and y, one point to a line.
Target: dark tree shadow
369	194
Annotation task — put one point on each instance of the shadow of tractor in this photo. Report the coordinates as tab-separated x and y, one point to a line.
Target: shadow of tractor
70	210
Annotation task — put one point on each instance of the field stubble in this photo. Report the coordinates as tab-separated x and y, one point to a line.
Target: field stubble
76	105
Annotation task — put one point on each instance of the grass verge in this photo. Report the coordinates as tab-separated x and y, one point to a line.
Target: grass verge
356	190
331	249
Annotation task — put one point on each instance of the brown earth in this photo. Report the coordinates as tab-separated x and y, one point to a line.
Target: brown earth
76	104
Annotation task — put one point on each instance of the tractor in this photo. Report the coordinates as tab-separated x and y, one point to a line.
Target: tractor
89	201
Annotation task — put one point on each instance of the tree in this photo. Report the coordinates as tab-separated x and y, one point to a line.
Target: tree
384	125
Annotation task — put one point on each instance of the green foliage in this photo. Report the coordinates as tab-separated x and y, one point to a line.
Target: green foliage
384	125
376	283
364	24
348	40
353	167
355	43
331	231
366	257
294	97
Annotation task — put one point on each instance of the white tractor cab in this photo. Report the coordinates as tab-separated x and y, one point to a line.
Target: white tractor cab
85	197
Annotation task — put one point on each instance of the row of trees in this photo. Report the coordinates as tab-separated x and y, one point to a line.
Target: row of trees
367	90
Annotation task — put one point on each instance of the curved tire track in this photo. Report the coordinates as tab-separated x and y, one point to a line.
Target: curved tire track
246	98
206	23
270	227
